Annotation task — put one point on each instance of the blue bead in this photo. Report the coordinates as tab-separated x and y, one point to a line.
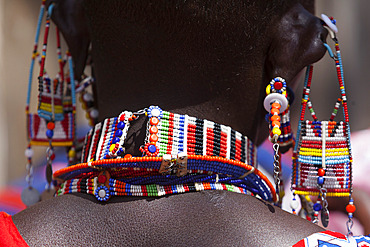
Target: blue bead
317	207
115	140
320	180
121	125
118	133
120	151
49	134
152	148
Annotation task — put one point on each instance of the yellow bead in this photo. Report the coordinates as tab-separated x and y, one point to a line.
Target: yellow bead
276	131
71	153
112	147
268	89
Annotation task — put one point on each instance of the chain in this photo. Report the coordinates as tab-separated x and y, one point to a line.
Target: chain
29	167
49	160
276	147
349	224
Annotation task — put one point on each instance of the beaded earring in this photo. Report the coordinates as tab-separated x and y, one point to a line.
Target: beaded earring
322	156
277	104
54	123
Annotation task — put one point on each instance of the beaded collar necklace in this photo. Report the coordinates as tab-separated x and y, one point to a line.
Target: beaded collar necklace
180	154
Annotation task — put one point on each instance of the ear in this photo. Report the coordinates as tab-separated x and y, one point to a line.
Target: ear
69	16
297	41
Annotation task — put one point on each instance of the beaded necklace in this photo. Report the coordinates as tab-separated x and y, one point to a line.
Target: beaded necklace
180	154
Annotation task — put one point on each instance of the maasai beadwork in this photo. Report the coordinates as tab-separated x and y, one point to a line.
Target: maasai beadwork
277	104
140	171
170	133
217	161
54	104
54	123
322	158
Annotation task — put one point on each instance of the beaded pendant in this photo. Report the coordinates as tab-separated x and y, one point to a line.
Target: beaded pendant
54	123
56	99
322	156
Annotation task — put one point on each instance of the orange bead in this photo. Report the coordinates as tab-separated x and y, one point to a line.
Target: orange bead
350	208
275	111
154	121
275	118
153	138
276	123
128	156
276	105
153	130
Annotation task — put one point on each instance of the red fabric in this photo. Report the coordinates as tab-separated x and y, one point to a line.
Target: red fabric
9	235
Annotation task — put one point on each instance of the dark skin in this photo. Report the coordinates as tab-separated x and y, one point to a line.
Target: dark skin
209	59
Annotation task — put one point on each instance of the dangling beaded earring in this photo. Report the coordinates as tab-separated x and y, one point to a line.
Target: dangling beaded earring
277	104
322	156
54	125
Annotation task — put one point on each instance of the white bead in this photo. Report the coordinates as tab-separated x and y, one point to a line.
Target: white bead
102	193
88	97
272	97
28	153
155	112
294	204
94	113
329	23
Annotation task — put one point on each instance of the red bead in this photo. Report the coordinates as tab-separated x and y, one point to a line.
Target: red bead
350	208
122	118
278	85
321	172
50	126
102	179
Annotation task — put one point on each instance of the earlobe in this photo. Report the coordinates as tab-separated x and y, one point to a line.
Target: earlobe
297	41
69	16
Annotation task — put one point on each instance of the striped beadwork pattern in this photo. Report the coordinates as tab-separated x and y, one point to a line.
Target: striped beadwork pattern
142	171
178	133
182	133
323	145
99	139
118	188
64	131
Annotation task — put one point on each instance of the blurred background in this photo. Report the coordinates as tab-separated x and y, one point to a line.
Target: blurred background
17	29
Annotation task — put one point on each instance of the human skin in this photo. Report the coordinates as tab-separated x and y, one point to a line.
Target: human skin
209	59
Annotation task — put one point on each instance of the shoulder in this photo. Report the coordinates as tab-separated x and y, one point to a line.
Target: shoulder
211	218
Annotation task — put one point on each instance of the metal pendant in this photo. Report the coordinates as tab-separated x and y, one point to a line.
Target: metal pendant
325	217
